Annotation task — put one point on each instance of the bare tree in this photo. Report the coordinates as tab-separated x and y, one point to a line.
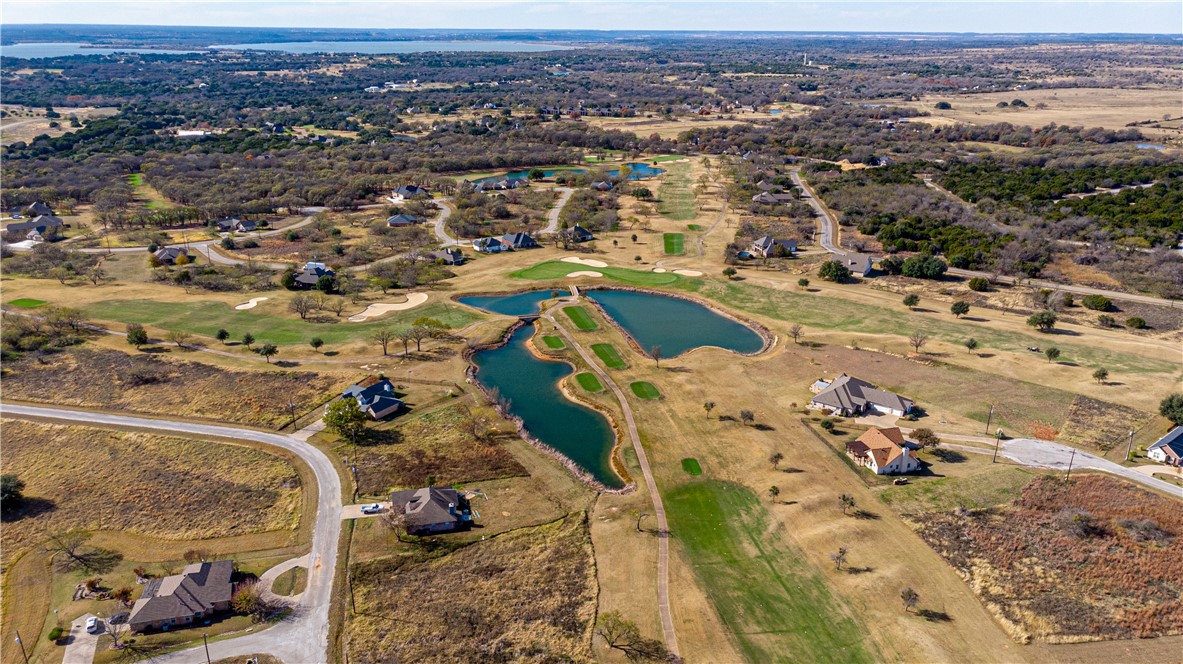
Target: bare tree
656	353
839	557
383	336
336	305
795	332
303	305
918	339
179	337
747	417
708	406
775	459
845	502
405	336
419	333
68	547
909	597
396	520
96	274
625	636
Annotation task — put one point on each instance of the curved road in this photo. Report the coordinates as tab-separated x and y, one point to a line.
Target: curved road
440	228
303	637
552	217
663	541
829	234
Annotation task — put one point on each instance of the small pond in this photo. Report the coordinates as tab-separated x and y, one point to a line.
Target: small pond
675	324
522	304
530	384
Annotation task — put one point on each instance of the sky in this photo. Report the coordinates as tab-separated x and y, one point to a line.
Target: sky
1061	16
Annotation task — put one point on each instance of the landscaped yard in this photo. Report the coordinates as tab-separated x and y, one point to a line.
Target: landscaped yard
559	269
580	317
553	342
589	382
778	608
608	355
645	390
674	243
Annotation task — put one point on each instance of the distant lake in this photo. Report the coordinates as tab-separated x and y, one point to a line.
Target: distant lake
388	47
62	49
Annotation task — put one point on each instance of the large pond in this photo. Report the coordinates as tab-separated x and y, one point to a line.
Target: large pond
638	171
63	49
388	47
531	385
675	324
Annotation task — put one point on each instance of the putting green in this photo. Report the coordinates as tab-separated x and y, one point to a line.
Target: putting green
645	390
553	343
691	466
589	382
27	303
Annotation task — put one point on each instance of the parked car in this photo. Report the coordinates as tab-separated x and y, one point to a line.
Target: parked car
373	508
17	216
92	625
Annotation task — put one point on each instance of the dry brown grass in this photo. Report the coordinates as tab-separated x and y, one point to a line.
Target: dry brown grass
1101	425
163	487
26	123
1050	575
526	594
109	379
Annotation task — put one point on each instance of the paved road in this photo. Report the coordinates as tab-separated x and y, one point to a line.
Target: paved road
80	646
1044	454
303	637
829	234
552	217
440	227
663	542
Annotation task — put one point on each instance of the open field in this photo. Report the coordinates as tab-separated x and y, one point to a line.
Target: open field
23	124
790	613
436	446
1092	559
970	482
524	593
645	127
559	269
579	316
674	243
98	378
589	382
609	356
1088	107
676	199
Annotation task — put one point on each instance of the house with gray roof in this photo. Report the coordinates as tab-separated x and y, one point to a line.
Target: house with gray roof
848	396
169	255
859	264
1169	448
38	229
432	510
199	591
769	198
401	220
310	274
407	192
375	397
450	256
38	209
519	241
490	245
768	247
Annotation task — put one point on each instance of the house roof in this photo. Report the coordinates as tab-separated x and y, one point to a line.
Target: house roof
580	231
449	255
37	209
427	506
883	445
227	222
170	253
411	190
768	243
886	437
196	589
1172	443
771	198
856	262
42	221
517	239
377	396
849	393
403	219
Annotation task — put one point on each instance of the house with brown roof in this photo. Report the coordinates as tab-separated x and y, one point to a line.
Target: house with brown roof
199	591
848	396
883	452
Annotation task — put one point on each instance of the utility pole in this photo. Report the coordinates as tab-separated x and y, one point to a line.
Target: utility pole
1130	448
997	444
205	640
1070	460
989	416
22	645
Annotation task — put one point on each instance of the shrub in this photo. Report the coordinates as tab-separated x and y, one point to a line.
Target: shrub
1045	321
1171	407
227	243
1105	320
55	633
943	106
250	243
979	284
1097	302
1135	322
834	271
924	266
827	424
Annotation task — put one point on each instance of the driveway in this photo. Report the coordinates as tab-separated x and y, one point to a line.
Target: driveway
552	217
354	511
80	646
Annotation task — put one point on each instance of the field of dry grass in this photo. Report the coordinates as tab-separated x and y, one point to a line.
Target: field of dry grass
109	379
527	594
1096	558
23	124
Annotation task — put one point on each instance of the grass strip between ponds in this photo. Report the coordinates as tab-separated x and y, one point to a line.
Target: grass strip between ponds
608	355
581	318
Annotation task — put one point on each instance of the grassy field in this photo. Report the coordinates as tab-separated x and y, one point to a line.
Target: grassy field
559	269
589	382
264	322
608	355
675	195
580	317
291	582
98	378
777	607
691	466
645	390
531	590
27	303
674	243
553	342
974	483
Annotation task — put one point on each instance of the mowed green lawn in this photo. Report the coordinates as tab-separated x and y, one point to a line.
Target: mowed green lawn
580	317
677	200
608	355
777	606
553	343
691	466
589	382
559	269
27	303
674	243
645	390
206	318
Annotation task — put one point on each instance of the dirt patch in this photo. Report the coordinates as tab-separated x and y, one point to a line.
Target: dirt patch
144	383
529	594
1087	560
1101	425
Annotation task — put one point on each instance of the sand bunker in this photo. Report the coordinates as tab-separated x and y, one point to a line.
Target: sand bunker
375	310
254	301
584	261
659	270
585	273
688	273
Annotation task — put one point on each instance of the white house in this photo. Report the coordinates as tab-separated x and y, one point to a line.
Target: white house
884	452
1169	448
